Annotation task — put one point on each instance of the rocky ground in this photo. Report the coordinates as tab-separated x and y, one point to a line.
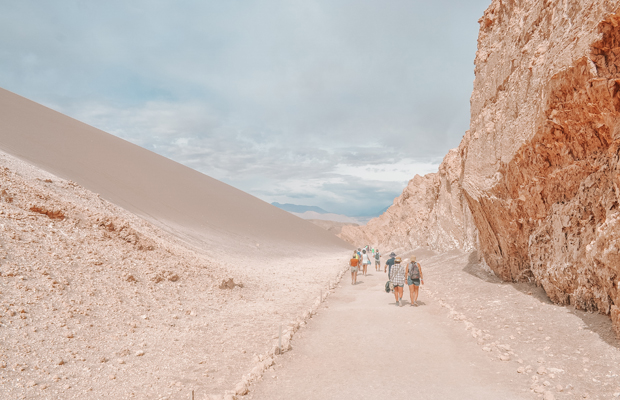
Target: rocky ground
97	303
555	350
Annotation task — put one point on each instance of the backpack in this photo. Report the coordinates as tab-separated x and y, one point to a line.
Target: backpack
377	256
414	271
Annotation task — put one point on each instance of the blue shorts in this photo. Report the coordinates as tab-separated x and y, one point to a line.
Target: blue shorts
413	282
398	285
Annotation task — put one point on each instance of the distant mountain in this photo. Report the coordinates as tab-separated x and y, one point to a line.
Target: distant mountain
295	208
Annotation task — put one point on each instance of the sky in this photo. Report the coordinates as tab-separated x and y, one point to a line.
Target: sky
328	103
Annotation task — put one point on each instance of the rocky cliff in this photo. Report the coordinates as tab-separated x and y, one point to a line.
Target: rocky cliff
431	212
539	170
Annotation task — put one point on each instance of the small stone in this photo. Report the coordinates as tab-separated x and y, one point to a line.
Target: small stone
67	387
2	364
541	360
548	338
103	360
546	383
485	348
60	362
548	396
112	377
139	353
521	370
31	383
120	361
541	370
504	357
520	361
538	389
241	389
559	388
70	335
55	378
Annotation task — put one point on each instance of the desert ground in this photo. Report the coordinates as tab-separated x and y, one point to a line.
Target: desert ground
472	337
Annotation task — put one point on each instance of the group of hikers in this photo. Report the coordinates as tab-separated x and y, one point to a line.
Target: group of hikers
398	271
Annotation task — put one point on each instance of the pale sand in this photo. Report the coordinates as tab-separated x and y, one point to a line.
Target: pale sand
105	283
183	201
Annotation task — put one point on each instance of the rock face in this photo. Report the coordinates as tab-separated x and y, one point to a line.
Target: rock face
538	171
431	212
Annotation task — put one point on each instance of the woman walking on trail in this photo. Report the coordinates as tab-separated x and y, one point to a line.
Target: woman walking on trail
354	263
414	279
365	261
397	277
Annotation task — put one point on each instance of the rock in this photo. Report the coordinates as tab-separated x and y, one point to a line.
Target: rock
241	389
521	370
486	348
541	370
504	357
139	353
31	384
559	388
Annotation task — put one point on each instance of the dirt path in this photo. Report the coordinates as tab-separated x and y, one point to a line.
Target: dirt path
360	345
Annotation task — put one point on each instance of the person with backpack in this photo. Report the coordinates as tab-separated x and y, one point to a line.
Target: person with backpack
377	260
389	263
397	277
365	261
414	279
354	262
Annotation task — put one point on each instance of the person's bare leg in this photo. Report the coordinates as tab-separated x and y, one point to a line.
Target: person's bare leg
411	293
355	278
352	277
416	291
396	293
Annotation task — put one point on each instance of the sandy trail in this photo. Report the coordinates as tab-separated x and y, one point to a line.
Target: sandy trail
360	345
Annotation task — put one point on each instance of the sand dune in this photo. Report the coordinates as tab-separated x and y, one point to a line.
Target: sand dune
183	201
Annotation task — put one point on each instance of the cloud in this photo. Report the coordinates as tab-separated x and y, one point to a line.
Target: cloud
279	98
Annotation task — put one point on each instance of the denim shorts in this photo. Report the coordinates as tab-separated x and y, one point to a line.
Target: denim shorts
398	285
413	282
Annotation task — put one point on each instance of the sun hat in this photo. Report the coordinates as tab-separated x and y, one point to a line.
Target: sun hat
397	260
413	258
392	254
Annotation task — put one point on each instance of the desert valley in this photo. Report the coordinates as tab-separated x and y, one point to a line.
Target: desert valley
124	274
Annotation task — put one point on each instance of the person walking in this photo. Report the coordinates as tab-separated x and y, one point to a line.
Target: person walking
397	277
414	279
365	261
389	263
354	262
377	260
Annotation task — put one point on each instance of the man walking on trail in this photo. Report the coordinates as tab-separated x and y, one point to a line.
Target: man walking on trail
397	277
389	263
377	260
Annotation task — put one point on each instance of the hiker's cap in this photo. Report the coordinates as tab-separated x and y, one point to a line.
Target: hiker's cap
392	254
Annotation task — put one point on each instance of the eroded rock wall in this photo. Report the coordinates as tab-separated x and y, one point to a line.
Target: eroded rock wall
540	173
430	212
